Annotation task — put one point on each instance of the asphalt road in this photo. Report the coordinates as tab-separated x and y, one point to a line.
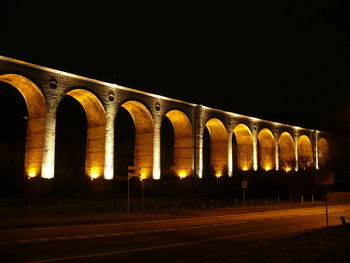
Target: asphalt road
171	240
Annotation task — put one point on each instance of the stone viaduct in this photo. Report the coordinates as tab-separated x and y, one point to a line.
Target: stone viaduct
236	141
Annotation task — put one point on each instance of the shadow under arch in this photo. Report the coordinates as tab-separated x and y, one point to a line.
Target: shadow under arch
183	143
95	133
323	153
304	152
244	147
36	121
286	152
218	147
143	125
266	146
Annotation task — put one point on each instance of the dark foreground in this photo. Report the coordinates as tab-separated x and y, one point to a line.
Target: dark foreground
272	235
324	245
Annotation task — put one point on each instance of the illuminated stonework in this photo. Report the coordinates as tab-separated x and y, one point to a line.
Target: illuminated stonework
266	150
244	147
143	136
323	152
36	121
96	131
293	149
286	152
183	143
218	146
304	152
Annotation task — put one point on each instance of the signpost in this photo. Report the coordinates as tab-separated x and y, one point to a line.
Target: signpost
244	187
132	172
143	194
325	179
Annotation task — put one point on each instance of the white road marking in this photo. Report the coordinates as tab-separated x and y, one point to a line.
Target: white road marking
121	233
293	210
151	248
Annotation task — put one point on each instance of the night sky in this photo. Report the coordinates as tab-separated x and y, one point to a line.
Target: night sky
286	61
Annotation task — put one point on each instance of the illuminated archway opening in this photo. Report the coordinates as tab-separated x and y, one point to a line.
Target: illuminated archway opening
179	136
244	147
90	122
286	152
304	152
266	144
143	128
218	147
35	124
323	152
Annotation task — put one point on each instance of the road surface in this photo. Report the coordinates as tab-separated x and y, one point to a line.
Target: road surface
171	240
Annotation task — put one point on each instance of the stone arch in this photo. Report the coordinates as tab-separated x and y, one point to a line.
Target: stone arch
286	152
183	142
323	152
218	146
304	152
244	147
96	131
36	121
266	143
143	123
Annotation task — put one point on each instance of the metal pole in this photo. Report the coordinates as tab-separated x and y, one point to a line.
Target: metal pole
325	200
143	195
243	197
128	197
29	207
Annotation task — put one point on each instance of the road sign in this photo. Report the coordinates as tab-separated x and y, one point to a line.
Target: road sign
325	178
244	184
133	171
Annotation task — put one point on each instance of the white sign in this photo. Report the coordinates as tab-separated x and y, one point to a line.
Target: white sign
244	184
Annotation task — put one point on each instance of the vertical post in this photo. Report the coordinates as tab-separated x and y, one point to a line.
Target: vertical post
128	197
85	205
29	207
59	206
243	197
143	195
325	200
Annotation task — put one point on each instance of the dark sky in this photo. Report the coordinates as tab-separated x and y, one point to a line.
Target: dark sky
286	61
